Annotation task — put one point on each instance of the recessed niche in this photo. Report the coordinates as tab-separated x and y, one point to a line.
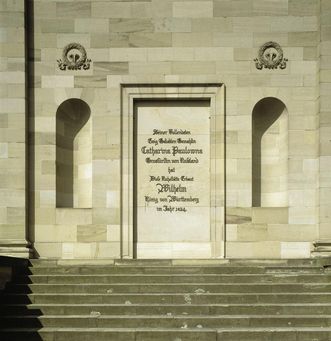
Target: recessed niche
269	153
73	155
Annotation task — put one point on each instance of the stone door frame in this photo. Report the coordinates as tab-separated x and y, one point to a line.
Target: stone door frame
215	93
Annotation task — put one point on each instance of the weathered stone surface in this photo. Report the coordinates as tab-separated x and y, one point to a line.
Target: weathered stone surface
149	300
166	42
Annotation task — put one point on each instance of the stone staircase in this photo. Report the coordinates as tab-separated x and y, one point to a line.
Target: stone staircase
176	300
322	248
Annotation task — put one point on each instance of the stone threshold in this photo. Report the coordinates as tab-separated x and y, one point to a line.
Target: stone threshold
184	262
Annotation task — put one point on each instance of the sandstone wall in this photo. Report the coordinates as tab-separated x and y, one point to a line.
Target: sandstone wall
12	129
325	121
163	41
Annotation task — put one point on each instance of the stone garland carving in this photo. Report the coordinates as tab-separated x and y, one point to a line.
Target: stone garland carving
270	56
74	58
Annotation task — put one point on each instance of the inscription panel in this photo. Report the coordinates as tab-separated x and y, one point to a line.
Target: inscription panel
172	175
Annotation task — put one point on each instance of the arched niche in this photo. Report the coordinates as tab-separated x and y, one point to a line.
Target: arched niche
269	153
73	154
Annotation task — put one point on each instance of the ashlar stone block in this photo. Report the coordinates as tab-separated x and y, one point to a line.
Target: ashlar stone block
303	7
270	215
74	9
109	9
91	25
242	8
270	7
192	9
91	233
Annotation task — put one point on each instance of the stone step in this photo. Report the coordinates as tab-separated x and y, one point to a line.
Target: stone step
162	270
178	262
159	321
321	252
143	334
175	278
165	309
173	300
170	298
194	288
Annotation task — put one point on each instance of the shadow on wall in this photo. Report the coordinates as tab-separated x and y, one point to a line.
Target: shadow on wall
269	153
16	314
73	155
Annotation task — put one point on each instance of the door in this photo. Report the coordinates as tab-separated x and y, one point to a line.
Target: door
172	179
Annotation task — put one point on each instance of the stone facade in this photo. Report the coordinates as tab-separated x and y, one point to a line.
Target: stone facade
13	126
276	120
